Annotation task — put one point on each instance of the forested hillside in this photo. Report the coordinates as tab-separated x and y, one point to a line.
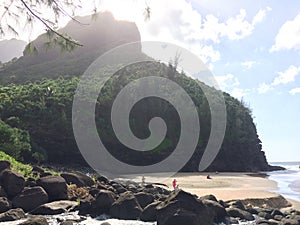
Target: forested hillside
44	110
37	92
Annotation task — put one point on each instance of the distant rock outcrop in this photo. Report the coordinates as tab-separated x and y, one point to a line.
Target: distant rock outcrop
96	35
10	49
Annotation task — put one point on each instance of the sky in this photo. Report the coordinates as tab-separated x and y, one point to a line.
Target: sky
252	47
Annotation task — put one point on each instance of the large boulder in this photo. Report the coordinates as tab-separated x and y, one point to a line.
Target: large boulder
239	213
219	211
4	204
54	208
102	202
144	199
30	198
38	220
55	186
126	207
180	217
149	213
2	192
4	164
12	182
80	179
186	208
12	215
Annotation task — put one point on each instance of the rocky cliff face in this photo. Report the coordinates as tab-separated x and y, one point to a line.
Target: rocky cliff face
96	35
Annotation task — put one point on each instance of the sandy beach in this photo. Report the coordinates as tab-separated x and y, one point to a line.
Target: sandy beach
225	186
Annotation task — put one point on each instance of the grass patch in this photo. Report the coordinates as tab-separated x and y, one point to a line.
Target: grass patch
18	167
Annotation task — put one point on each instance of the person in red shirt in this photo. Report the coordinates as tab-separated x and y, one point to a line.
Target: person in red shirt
174	183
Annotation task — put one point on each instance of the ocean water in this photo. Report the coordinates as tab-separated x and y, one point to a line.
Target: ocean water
288	180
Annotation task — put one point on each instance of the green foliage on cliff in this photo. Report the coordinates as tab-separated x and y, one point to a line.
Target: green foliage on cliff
17	166
13	141
44	109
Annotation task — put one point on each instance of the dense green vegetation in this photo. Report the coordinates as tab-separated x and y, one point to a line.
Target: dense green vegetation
43	109
17	166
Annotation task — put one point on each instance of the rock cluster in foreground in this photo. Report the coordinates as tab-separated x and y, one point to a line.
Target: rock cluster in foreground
51	195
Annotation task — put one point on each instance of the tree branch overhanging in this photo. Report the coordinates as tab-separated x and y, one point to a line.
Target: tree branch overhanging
68	40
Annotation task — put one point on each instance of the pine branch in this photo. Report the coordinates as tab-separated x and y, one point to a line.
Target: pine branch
68	40
6	10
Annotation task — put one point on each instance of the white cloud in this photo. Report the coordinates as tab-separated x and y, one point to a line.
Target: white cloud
287	76
294	91
239	92
227	82
248	64
178	22
288	36
259	17
263	88
230	84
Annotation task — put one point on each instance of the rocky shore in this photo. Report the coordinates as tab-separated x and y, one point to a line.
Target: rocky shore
33	199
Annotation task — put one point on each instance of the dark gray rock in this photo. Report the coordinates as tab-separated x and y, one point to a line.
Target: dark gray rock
219	211
80	179
149	212
38	170
38	220
276	212
288	221
237	204
94	191
30	198
55	186
4	204
4	164
252	211
105	223
208	197
232	220
265	215
103	202
267	222
180	217
45	174
103	179
54	208
126	207
185	207
278	217
30	182
235	212
144	199
2	191
12	215
85	207
12	183
68	222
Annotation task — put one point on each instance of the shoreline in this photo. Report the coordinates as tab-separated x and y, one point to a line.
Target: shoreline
225	186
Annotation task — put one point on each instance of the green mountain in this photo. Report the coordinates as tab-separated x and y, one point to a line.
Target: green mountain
43	107
97	35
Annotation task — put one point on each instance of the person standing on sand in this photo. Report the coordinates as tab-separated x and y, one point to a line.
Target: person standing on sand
174	184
